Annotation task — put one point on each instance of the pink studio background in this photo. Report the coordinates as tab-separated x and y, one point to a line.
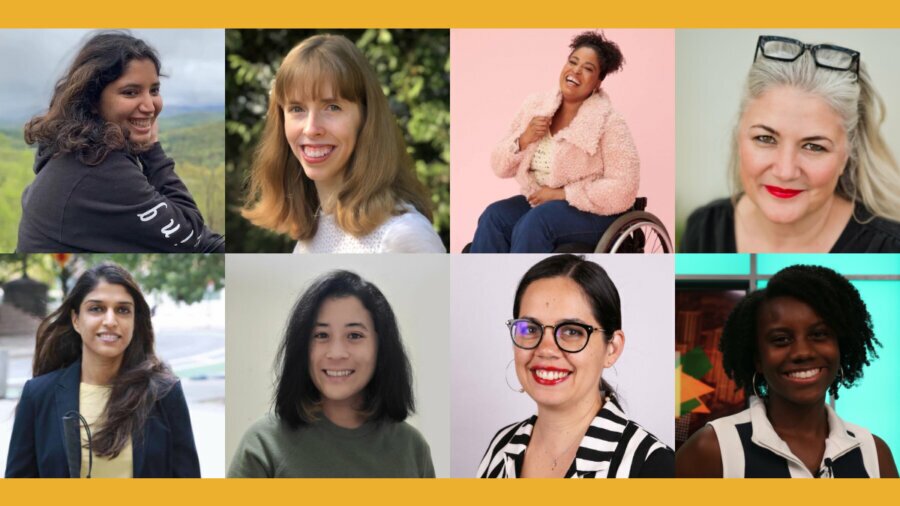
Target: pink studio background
493	71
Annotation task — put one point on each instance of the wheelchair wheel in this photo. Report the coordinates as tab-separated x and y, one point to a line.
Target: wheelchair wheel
635	232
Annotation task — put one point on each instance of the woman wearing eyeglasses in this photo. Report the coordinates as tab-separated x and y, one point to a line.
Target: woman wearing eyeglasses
790	346
566	331
809	166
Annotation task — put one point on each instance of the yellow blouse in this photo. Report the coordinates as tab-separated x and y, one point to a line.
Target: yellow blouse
92	401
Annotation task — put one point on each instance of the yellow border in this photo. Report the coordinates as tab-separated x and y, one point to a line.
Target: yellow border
462	14
395	492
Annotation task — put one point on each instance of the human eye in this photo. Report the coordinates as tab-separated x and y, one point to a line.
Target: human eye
154	91
815	148
764	139
355	336
94	308
780	339
294	109
123	310
821	334
320	336
571	331
333	108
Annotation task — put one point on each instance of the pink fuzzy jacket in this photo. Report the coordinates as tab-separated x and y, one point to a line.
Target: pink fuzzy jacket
594	158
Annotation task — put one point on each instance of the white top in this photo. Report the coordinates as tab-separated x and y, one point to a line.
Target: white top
542	160
410	232
738	455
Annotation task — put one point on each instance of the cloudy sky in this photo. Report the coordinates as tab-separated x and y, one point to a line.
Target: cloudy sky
32	60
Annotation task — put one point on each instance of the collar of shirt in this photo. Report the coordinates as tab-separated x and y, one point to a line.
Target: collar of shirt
595	451
838	443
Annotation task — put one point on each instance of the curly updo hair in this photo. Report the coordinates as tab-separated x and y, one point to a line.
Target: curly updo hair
830	295
608	52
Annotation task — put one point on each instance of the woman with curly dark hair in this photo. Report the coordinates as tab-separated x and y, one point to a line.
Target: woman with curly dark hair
94	360
102	180
789	345
573	157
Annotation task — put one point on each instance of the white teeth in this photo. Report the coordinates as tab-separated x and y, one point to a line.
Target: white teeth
338	374
550	375
317	151
804	374
572	80
141	123
107	338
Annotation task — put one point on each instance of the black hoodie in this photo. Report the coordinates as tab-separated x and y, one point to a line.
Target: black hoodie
126	204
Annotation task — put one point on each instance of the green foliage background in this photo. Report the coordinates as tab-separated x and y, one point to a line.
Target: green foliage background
182	277
194	140
414	69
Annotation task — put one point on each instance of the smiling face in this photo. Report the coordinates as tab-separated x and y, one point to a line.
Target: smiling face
580	76
793	148
343	351
322	134
553	378
133	101
105	321
798	352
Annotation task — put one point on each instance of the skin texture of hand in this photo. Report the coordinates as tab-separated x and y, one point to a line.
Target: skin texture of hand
546	194
154	131
536	130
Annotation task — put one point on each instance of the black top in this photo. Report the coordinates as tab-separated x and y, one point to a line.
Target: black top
710	229
126	204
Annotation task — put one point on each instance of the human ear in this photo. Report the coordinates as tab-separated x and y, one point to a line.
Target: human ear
614	348
75	322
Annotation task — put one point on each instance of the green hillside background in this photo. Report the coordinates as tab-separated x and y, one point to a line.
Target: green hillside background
195	140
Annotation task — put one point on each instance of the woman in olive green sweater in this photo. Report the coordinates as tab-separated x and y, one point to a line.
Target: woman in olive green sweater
343	392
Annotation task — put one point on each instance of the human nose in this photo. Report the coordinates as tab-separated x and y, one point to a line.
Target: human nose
547	346
109	318
313	126
147	105
786	166
801	350
337	349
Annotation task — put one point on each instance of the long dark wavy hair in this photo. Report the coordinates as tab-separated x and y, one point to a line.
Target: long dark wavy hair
142	378
72	123
389	394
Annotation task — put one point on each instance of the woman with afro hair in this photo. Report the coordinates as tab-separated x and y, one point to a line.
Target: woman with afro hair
573	157
804	336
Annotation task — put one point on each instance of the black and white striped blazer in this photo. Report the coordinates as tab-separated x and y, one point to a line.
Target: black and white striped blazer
612	447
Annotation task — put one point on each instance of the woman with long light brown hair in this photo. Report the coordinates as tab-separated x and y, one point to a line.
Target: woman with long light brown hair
94	361
332	170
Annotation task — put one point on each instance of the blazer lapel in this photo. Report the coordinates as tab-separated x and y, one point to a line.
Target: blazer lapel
67	400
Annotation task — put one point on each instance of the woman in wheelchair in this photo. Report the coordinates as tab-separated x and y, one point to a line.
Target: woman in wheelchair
573	157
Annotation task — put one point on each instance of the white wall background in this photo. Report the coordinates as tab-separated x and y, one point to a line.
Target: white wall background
710	70
482	292
263	288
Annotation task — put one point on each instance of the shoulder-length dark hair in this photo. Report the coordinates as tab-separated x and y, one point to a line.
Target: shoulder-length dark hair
380	177
72	123
142	378
389	394
830	295
600	291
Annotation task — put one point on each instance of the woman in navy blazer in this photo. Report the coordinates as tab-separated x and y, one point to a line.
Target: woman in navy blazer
102	335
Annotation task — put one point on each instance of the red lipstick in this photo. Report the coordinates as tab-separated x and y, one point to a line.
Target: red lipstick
549	376
782	193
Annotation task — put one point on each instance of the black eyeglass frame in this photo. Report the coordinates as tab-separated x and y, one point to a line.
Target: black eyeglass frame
812	48
590	329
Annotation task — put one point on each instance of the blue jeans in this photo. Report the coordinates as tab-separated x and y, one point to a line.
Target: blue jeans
513	226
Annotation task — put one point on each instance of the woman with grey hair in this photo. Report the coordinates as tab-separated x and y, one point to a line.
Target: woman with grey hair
810	169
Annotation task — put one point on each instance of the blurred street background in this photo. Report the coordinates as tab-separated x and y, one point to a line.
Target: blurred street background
187	295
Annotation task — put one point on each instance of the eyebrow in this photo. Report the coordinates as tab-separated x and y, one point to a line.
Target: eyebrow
352	324
561	320
812	138
98	301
